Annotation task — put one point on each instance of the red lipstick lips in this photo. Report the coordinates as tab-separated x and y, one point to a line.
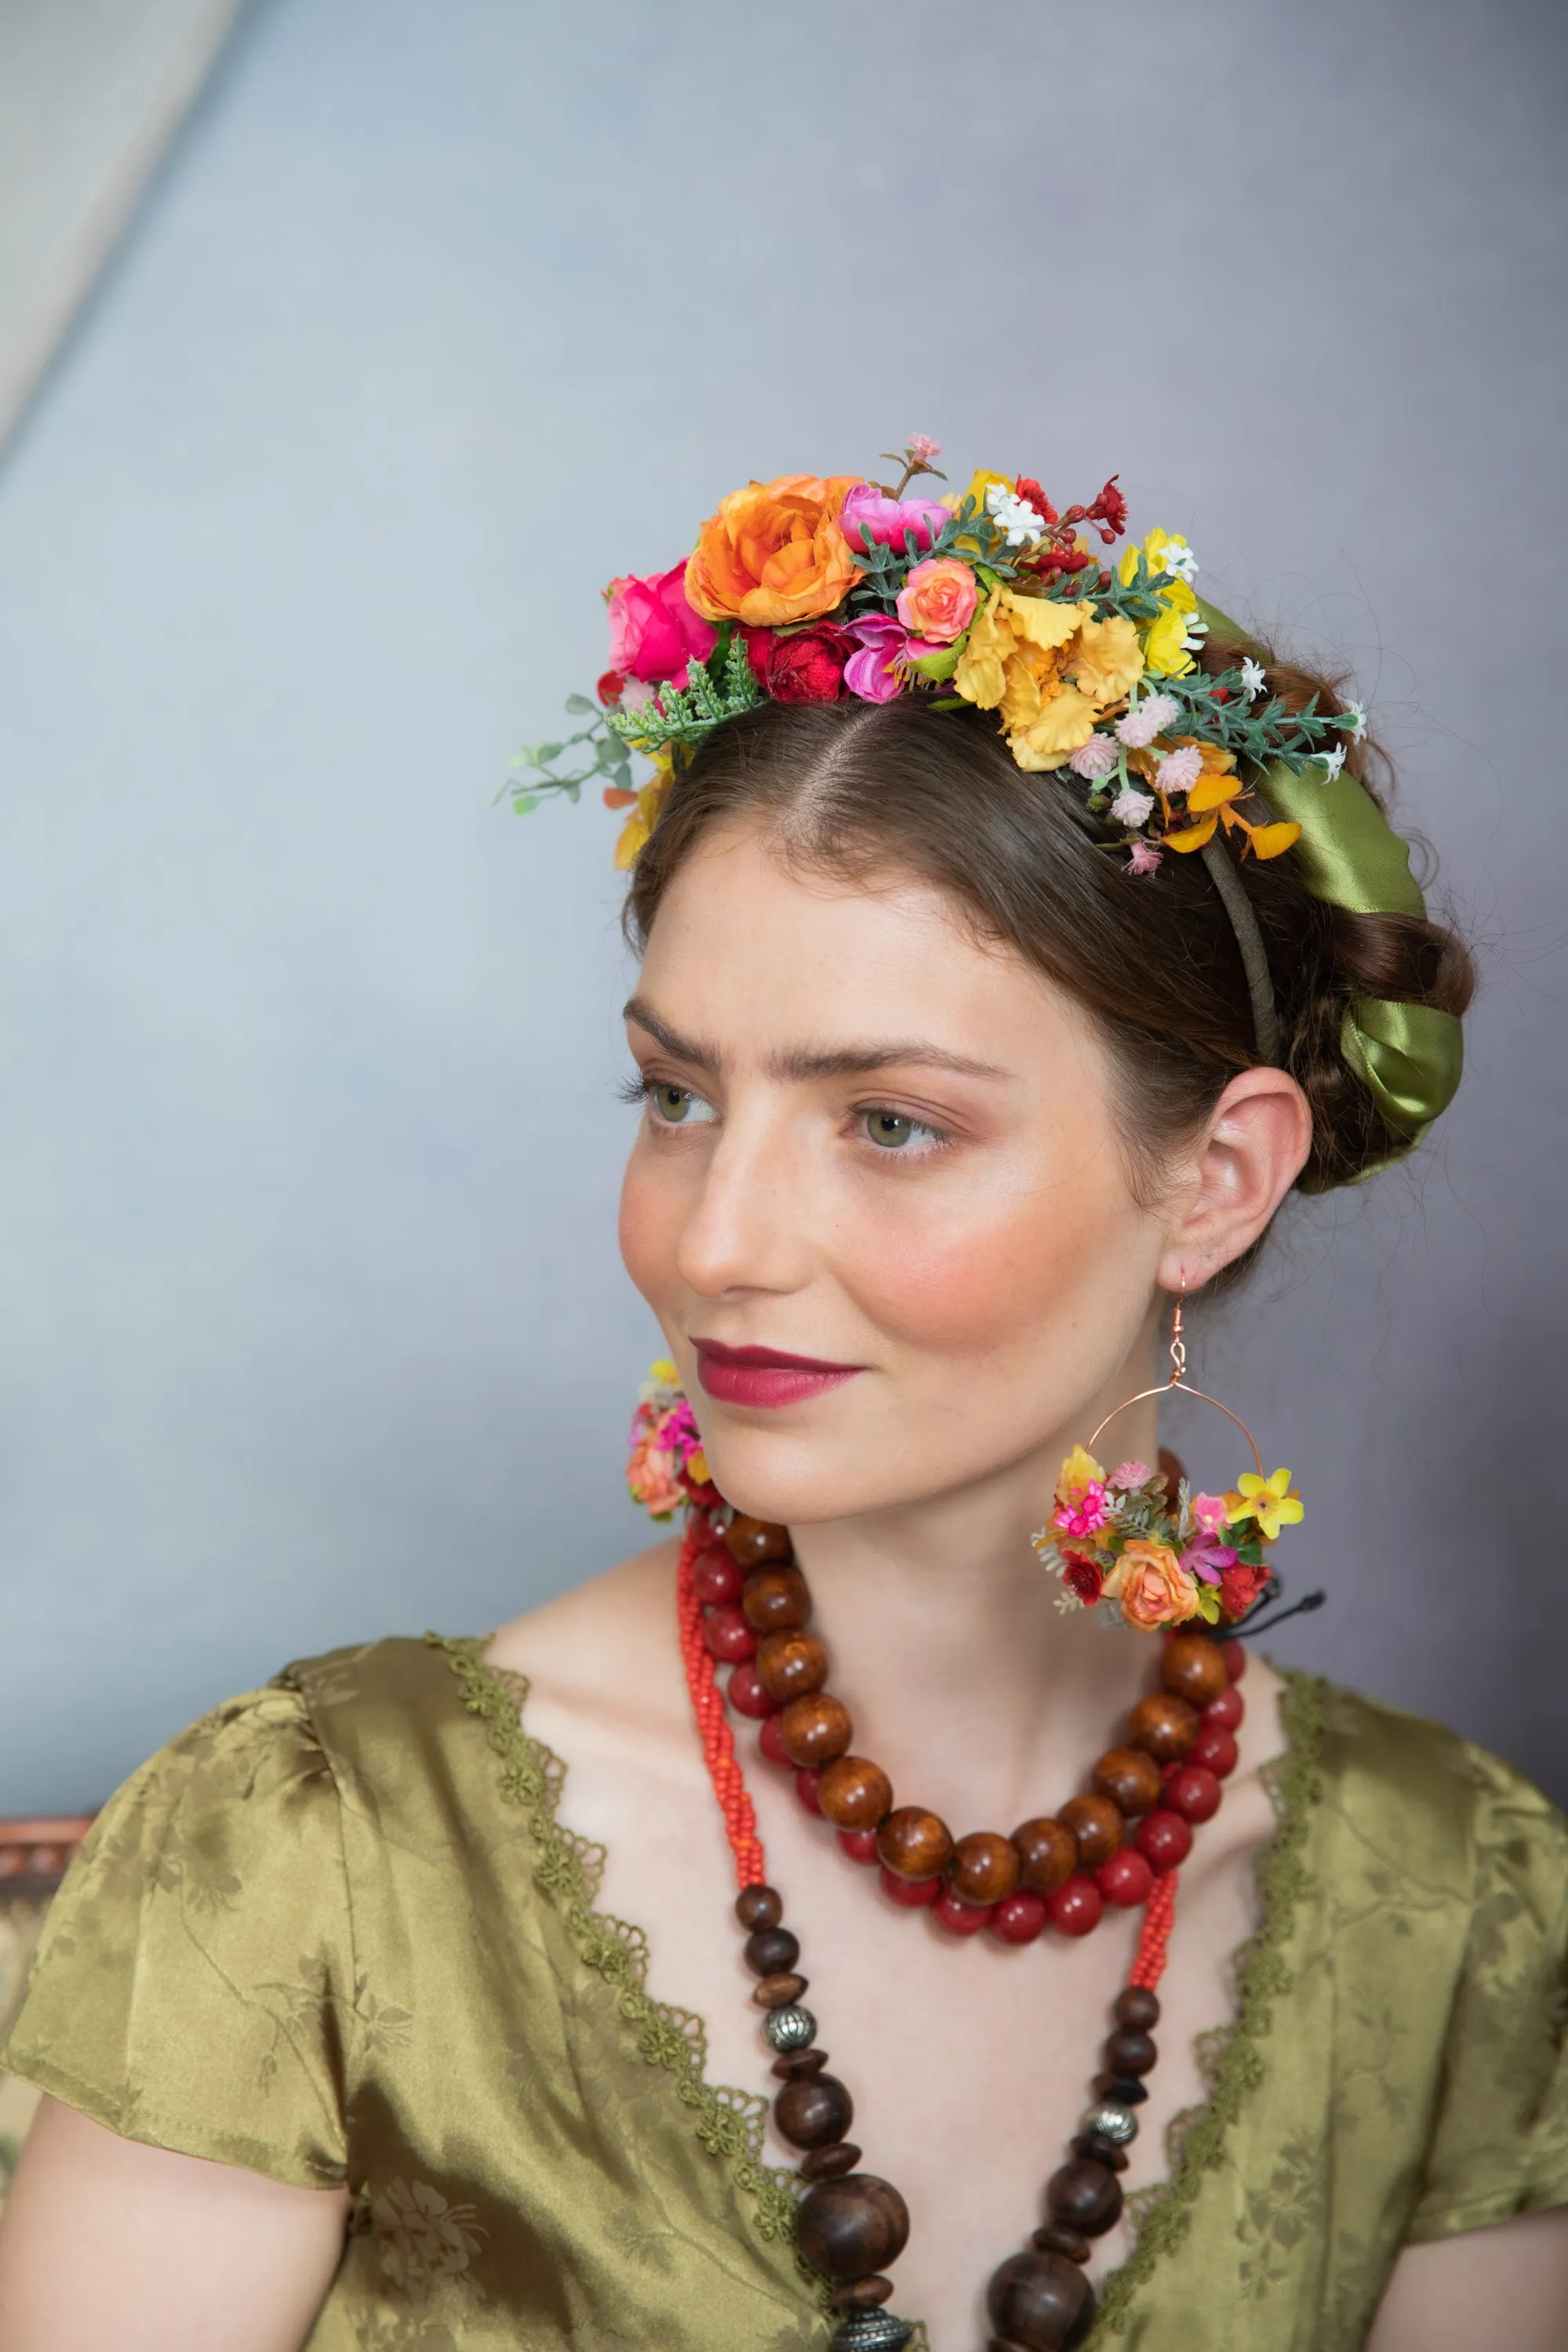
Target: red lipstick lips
766	1376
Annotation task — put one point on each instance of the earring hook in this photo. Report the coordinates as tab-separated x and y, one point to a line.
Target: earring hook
1179	1380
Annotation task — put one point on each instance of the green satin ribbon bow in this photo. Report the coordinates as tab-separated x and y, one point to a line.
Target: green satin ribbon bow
1408	1056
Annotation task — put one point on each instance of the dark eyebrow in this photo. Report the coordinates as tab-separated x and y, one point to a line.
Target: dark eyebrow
802	1062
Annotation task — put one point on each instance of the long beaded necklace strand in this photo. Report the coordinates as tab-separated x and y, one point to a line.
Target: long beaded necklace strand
851	2223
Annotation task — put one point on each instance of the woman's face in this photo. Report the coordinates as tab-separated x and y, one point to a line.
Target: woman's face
873	1143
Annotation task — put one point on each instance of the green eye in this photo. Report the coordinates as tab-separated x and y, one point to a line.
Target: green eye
891	1129
678	1107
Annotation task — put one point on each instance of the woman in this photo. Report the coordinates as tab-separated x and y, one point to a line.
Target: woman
964	1047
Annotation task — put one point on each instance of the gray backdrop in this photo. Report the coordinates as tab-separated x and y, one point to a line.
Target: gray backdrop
443	312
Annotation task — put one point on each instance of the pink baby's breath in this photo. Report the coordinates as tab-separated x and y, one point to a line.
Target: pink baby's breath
1127	1474
1179	770
922	446
1095	758
1143	858
1139	726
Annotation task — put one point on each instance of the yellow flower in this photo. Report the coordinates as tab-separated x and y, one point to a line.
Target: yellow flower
1268	1500
649	800
1165	638
1013	662
1077	1471
1107	662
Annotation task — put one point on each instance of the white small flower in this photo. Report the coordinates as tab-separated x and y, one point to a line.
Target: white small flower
1013	515
1352	718
1195	632
1252	679
1131	807
1177	558
1332	761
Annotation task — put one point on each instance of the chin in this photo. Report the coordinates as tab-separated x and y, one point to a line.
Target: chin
794	1478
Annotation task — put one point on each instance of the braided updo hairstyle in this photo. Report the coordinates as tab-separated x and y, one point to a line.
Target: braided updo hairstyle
861	789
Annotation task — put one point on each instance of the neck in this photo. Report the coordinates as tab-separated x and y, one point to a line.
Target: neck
966	1682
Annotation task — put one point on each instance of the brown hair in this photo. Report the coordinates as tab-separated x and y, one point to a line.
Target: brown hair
858	789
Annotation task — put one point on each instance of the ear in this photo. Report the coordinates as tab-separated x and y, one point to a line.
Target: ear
1253	1150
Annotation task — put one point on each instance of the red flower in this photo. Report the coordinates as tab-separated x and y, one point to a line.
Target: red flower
611	687
1083	1577
1239	1587
806	667
1031	492
1110	508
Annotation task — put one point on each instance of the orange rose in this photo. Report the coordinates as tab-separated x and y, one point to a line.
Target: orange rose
773	553
1150	1587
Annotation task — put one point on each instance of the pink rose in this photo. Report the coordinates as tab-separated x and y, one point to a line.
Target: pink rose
654	633
872	673
936	601
867	515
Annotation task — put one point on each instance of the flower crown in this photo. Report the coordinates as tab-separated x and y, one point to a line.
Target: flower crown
804	590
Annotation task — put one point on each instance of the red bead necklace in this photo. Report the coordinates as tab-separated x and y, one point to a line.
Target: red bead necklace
1109	1845
852	2224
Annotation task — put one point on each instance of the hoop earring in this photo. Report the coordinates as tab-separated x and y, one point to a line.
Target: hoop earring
1122	1543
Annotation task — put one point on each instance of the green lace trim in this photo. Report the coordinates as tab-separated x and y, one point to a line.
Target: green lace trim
729	2123
1231	2058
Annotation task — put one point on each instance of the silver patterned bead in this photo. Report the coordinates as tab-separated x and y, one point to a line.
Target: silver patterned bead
871	2331
789	2028
1112	2121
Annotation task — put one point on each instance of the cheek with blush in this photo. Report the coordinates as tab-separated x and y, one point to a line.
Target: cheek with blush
648	1225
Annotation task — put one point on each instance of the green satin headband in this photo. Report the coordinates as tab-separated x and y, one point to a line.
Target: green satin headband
1408	1056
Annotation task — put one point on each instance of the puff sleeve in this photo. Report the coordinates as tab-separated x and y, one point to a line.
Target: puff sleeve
194	1982
1499	2141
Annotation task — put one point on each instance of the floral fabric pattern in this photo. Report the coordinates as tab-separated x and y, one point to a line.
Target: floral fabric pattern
336	1933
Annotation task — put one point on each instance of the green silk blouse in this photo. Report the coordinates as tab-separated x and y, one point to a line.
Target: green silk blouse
336	1933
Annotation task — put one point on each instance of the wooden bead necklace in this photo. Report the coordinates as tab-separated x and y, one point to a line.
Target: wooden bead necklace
1105	1846
852	2224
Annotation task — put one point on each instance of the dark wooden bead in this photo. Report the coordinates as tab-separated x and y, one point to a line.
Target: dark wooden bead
1129	2051
1130	1777
849	2227
1127	2089
1098	1826
1194	1667
1095	2150
828	2163
1087	2196
862	2295
985	1867
1139	2007
854	1794
1047	1854
775	1599
796	2063
1055	2238
753	1541
791	1666
816	1732
771	1950
814	2113
1164	1725
759	1907
914	1843
777	1992
1040	2302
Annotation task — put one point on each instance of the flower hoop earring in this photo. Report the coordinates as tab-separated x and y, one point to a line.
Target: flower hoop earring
1121	1542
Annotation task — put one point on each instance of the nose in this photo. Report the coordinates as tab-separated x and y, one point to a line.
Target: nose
748	1226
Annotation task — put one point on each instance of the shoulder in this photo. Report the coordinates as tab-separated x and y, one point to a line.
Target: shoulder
1414	1797
607	1651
